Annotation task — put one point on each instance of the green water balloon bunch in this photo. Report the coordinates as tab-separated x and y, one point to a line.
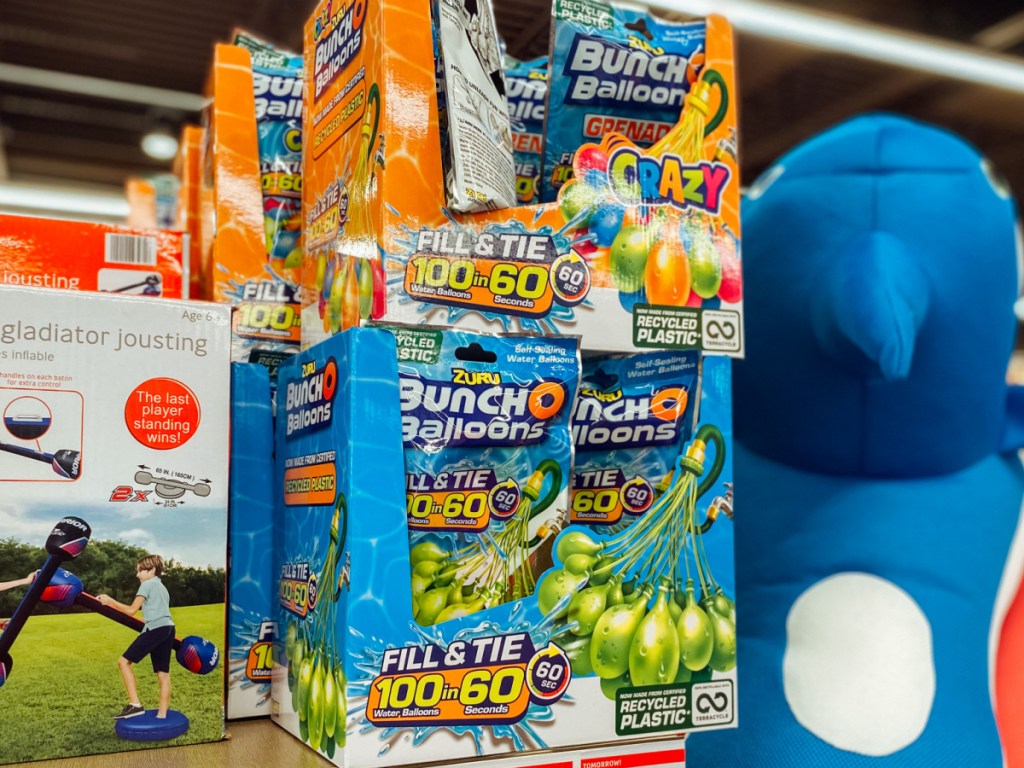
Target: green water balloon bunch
316	676
489	570
629	605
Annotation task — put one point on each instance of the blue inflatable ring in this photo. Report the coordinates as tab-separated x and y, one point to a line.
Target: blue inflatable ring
149	727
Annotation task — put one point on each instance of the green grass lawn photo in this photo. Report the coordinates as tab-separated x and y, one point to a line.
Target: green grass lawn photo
65	686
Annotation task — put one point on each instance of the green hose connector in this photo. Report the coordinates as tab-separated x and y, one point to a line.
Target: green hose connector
338	536
694	459
532	488
373	99
714	77
708	433
340	516
551	468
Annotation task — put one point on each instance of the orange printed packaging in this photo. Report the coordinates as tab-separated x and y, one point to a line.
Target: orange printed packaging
641	250
187	167
241	259
84	256
372	157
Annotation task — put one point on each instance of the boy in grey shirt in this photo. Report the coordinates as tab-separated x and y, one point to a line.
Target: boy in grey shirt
156	640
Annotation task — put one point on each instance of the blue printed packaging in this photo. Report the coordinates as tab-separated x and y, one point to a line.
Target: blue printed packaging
371	420
614	68
342	541
252	584
630	422
526	86
277	88
485	427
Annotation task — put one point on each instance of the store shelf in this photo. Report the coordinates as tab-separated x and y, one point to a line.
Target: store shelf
250	743
258	743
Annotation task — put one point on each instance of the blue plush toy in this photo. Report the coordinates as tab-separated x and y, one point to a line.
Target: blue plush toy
877	487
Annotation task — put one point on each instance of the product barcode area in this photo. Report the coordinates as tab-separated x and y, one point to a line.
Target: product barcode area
130	249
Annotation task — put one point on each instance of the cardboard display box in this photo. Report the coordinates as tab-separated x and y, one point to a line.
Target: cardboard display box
609	261
235	261
115	431
81	256
252	579
362	682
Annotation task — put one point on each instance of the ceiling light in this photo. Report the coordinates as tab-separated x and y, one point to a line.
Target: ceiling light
104	89
867	41
160	145
39	199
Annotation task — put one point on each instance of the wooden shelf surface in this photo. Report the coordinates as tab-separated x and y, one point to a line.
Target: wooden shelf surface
251	744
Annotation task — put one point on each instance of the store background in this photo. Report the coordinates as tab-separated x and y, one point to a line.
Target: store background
82	81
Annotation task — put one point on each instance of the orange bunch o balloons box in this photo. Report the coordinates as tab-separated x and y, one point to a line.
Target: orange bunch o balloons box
249	199
641	249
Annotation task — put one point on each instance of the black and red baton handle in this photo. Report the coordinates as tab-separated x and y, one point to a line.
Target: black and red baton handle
65	542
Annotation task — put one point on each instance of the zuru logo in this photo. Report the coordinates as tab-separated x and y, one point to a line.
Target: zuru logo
331	12
462	376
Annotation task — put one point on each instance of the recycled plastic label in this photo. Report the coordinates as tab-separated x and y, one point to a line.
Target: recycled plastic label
417	345
591	14
674	707
664	327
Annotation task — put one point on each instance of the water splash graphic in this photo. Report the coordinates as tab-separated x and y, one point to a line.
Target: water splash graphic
523	734
405	242
245	633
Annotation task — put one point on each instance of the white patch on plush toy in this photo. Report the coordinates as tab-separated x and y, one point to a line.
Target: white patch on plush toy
858	670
